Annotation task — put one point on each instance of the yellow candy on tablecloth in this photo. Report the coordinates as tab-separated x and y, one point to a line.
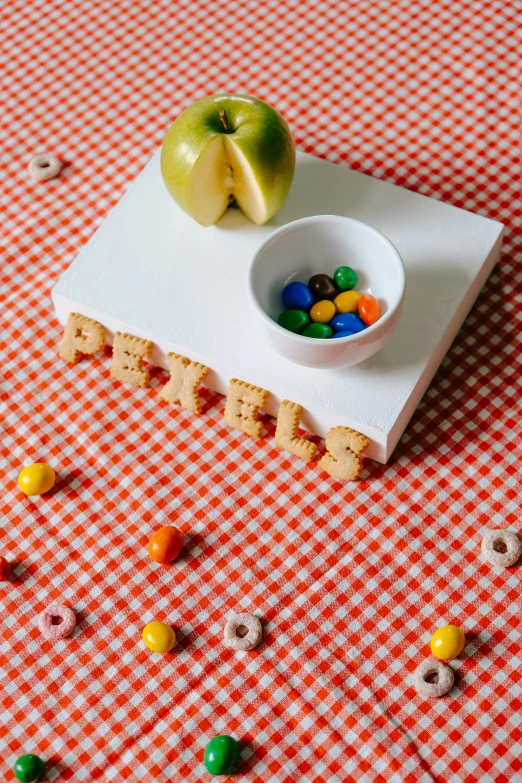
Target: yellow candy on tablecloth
36	479
159	637
447	642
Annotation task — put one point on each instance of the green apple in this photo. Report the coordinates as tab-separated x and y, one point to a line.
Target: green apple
225	148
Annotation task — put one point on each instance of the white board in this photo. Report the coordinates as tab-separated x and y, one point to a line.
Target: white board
151	271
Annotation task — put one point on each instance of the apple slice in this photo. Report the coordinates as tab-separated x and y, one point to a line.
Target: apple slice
222	171
228	147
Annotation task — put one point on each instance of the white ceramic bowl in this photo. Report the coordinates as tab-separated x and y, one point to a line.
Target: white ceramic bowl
321	244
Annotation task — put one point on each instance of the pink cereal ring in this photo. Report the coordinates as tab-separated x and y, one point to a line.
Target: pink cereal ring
44	167
57	622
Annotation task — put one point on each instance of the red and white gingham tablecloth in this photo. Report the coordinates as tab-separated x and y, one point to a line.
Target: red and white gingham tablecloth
351	580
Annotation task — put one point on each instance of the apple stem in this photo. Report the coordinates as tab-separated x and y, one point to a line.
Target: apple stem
223	118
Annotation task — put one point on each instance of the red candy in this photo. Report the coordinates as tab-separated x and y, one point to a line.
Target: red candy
5	569
369	309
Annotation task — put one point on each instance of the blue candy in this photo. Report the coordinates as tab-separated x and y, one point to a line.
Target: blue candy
297	296
347	322
342	334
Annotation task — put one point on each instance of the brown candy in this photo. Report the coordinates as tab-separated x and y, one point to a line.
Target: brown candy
322	287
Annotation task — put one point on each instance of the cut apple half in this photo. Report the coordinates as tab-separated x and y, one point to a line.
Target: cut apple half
220	172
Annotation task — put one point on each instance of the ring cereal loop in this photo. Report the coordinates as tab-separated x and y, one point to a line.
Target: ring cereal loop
66	622
443	676
252	637
506	539
44	167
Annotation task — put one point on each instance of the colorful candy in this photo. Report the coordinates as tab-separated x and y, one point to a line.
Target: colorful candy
165	544
347	302
294	320
221	755
29	768
322	312
328	308
369	309
319	331
322	287
297	296
159	637
345	278
447	642
347	322
5	569
36	479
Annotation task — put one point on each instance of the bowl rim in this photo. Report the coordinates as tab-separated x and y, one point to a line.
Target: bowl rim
288	227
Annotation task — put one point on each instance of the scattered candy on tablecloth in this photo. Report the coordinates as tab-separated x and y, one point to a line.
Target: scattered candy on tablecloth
159	637
165	544
221	755
433	678
29	768
57	621
447	642
44	167
326	302
253	632
5	570
36	479
501	547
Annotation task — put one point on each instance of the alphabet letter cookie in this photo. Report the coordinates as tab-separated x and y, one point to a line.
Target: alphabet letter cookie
343	447
286	436
82	335
185	380
242	403
127	354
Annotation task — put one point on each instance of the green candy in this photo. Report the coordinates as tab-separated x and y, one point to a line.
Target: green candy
321	331
294	320
221	755
345	278
29	768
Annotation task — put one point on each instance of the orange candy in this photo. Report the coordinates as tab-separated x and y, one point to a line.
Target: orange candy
165	544
369	309
5	569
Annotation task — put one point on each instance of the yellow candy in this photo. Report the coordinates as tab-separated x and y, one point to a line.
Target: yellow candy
447	642
347	302
36	479
159	637
322	312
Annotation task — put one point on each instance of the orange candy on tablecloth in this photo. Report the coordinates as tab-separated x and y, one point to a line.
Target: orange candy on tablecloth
165	544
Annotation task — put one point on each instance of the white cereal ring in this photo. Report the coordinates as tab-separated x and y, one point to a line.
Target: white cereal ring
57	630
441	673
45	166
505	539
252	637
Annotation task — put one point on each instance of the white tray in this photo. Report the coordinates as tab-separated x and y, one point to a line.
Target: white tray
152	271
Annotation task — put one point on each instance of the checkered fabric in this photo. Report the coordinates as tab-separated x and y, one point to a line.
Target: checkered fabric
350	580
